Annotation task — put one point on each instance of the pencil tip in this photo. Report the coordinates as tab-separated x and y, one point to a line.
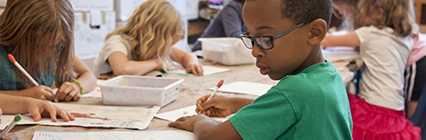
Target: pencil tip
11	58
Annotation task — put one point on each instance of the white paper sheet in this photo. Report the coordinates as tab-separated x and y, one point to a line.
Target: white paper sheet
114	135
208	70
97	116
187	111
336	54
245	88
95	93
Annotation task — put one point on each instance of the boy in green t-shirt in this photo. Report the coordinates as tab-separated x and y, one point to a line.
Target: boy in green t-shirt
309	102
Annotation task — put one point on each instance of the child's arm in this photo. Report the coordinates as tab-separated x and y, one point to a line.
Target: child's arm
188	60
351	40
39	92
71	90
121	65
206	128
37	108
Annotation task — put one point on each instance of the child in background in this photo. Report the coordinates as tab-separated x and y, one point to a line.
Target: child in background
415	71
146	43
37	108
228	22
39	34
415	74
385	43
309	102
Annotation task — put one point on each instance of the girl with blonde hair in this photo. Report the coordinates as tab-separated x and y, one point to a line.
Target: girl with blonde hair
146	43
39	34
385	42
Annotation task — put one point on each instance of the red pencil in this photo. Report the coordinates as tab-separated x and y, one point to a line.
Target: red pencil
215	90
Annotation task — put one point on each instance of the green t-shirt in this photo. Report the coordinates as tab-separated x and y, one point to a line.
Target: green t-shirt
312	104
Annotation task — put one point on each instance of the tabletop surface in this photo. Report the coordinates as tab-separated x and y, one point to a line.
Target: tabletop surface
191	89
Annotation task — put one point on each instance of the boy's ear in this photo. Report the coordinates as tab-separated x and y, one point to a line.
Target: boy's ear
317	31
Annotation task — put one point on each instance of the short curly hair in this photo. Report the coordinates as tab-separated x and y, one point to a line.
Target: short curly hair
300	11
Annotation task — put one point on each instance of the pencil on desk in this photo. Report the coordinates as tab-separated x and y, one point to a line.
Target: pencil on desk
12	59
214	92
17	118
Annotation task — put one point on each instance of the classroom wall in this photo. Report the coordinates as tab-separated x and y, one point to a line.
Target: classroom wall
2	4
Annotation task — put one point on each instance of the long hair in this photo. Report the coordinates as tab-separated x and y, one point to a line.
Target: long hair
396	14
29	30
150	30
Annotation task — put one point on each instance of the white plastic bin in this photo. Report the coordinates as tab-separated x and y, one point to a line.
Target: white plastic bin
226	51
140	90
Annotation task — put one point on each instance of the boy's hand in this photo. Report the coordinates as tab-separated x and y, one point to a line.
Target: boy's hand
38	108
68	92
39	92
187	122
218	106
194	68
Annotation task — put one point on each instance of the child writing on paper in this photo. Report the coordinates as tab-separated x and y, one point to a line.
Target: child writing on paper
39	34
37	108
309	102
385	43
146	43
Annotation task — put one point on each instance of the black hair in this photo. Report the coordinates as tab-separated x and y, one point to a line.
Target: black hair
241	1
300	11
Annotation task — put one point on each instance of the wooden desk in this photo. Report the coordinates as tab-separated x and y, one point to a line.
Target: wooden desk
419	5
191	89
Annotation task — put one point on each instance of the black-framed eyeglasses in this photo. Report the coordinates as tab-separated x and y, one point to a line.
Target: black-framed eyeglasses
266	42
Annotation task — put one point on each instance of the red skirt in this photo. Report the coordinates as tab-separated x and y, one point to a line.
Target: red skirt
378	123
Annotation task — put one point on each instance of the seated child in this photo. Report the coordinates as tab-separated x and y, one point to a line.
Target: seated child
228	22
309	102
384	39
41	40
146	43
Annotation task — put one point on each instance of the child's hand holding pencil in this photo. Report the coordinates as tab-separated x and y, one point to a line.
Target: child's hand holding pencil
38	91
219	106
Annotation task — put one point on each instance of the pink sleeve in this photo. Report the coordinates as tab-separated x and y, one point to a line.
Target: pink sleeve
418	51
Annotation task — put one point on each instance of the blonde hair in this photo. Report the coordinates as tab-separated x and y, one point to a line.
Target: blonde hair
396	14
150	30
29	29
